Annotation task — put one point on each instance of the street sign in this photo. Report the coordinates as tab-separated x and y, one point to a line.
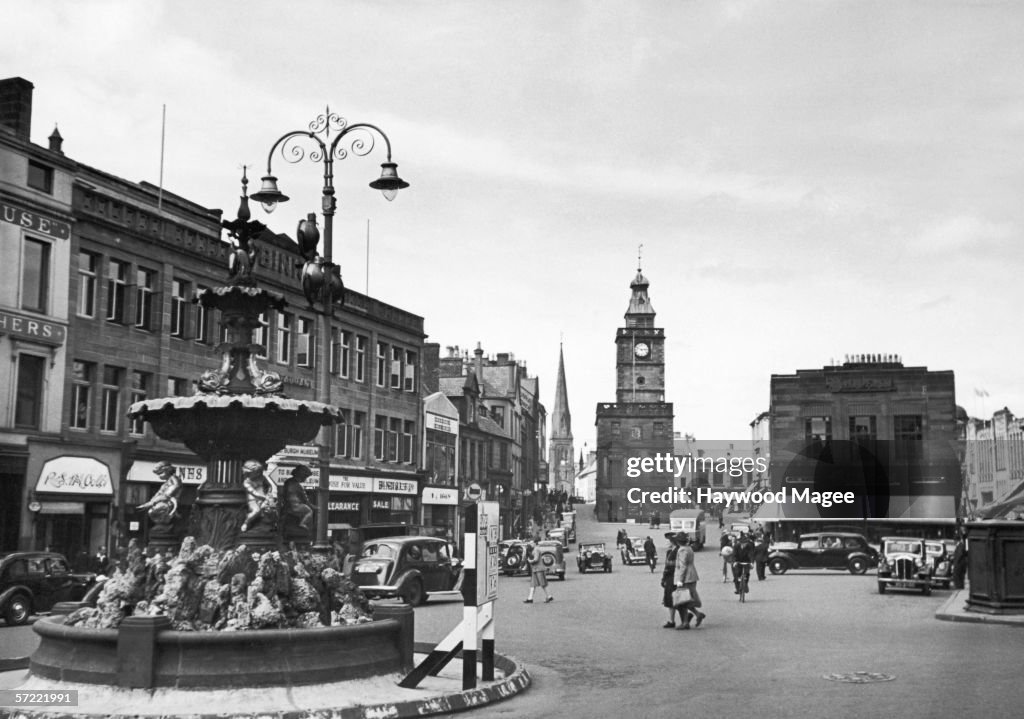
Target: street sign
487	560
474	491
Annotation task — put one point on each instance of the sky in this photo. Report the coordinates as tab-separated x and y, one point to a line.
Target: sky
807	180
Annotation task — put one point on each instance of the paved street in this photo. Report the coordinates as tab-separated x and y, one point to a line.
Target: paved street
599	650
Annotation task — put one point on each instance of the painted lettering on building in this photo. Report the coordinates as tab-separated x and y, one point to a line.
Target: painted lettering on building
31	328
35	222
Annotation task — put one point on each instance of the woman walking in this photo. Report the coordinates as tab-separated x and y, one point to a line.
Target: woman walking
538	574
668	579
686	599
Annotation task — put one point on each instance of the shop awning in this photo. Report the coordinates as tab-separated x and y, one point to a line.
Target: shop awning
75	475
1009	506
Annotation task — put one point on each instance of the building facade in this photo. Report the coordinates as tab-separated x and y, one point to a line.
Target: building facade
639	424
871	426
35	253
993	458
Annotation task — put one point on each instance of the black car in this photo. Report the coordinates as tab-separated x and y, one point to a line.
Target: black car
32	582
824	550
410	568
593	556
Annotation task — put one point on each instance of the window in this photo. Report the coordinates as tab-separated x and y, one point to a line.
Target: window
341	351
179	300
393	434
341	436
88	264
28	402
382	357
406	449
636	433
35	276
410	372
177	386
396	368
284	337
40	177
81	393
117	279
140	389
202	320
111	398
145	284
380	428
356	445
259	335
360	358
303	346
908	433
498	415
818	429
346	353
862	428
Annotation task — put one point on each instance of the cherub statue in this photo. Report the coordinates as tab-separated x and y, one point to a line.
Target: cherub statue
260	493
163	506
294	503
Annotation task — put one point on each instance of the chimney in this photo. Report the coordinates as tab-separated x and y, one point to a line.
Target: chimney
479	354
16	106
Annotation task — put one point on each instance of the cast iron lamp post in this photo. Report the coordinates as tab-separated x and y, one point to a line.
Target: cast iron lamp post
321	277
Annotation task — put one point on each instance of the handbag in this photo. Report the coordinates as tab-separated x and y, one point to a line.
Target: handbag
680	596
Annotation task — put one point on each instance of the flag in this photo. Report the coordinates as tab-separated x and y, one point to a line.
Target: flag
981	392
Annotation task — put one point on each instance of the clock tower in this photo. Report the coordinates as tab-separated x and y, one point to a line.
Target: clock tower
638	424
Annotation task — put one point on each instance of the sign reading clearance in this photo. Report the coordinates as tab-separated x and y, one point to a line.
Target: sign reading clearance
75	475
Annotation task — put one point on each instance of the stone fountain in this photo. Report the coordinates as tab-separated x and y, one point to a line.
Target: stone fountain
228	605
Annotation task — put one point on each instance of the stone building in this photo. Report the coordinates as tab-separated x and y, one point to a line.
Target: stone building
639	424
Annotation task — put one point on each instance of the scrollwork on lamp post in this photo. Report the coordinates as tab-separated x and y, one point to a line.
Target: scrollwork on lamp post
321	277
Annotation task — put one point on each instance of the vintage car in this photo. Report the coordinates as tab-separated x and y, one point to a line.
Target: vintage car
569	524
512	557
558	534
592	556
940	553
693	522
824	550
32	582
633	552
904	565
552	558
409	568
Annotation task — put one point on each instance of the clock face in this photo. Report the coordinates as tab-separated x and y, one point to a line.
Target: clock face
641	349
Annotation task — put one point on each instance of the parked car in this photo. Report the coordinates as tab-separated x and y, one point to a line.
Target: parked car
410	568
940	553
633	552
691	521
904	565
593	556
558	534
824	550
552	558
512	557
569	523
32	582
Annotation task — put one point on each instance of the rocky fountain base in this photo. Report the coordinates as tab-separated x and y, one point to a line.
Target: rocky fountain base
235	618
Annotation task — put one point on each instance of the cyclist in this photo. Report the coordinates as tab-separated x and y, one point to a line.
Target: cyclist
743	558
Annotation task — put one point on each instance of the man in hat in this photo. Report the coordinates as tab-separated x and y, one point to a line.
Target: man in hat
685	578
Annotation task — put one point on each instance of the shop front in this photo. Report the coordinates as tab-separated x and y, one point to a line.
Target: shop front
440	511
70	505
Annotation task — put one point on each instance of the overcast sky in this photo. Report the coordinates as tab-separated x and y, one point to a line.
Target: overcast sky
808	179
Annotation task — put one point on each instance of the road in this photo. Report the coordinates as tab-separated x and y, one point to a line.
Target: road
599	650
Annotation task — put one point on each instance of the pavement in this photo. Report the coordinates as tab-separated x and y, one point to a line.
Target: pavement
355	699
955	610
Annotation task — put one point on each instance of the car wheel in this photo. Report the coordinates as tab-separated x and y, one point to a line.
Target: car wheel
561	576
19	609
926	590
881	587
777	565
858	566
413	593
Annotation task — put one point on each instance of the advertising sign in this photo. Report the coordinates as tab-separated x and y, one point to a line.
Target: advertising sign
487	563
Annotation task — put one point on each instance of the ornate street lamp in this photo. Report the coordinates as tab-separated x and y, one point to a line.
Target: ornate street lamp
321	277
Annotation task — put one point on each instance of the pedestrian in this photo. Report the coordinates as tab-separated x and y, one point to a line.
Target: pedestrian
726	553
721	519
684	597
657	520
538	574
761	554
668	574
100	562
960	561
650	553
620	539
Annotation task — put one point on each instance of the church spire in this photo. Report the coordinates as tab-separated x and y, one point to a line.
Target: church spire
561	418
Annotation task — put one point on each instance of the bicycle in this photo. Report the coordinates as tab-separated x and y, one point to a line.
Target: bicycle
744	580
